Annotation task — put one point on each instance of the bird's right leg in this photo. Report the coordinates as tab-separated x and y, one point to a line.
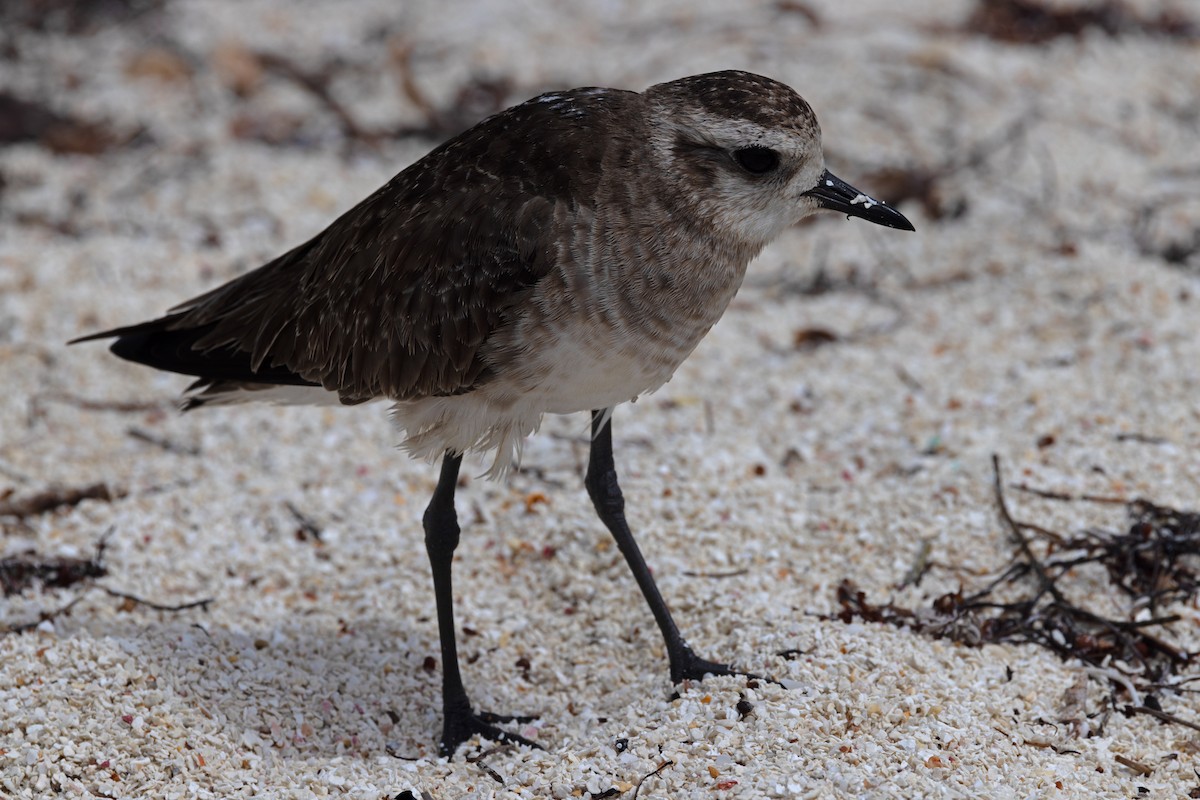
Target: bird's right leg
460	722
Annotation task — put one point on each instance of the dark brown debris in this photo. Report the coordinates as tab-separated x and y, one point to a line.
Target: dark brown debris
74	17
478	760
637	789
481	96
317	83
29	570
1167	229
55	498
277	129
118	406
920	566
24	120
1047	494
1139	768
1040	21
924	184
1140	438
1155	562
478	97
164	64
162	442
853	602
812	338
1158	713
800	9
932	185
306	527
132	601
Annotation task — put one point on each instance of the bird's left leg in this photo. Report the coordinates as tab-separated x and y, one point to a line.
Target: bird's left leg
602	486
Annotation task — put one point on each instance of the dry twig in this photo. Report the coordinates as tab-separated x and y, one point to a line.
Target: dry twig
22	572
1154	563
55	498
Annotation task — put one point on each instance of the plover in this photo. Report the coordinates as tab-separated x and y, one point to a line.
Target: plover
564	255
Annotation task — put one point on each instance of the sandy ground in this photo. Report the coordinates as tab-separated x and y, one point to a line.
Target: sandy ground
1044	311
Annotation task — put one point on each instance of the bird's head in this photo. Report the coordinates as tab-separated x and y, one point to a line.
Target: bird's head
746	153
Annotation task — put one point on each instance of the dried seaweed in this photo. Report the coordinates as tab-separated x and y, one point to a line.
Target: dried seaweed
1155	562
317	83
74	17
1166	228
637	789
29	571
931	184
25	120
1150	562
476	98
55	498
162	442
1037	21
306	527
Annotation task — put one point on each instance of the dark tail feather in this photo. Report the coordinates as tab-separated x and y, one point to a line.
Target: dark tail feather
157	345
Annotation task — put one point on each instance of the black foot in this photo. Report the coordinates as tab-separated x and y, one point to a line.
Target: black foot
688	666
462	725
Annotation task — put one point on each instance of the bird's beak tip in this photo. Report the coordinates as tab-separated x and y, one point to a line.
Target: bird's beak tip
835	194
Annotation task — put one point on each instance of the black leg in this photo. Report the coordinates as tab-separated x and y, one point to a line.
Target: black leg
460	722
602	486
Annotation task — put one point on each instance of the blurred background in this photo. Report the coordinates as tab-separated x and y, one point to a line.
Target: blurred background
918	99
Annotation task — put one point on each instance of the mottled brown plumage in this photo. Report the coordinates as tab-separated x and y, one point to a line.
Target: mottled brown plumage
397	296
616	217
566	254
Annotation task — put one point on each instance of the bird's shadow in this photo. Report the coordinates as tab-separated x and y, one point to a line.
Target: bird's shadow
365	689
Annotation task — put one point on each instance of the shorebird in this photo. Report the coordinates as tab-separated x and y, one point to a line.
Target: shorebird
564	255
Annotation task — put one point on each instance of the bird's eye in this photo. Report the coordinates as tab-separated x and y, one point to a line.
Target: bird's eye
758	160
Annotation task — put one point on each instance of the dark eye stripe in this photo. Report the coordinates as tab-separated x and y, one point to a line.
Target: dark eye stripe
757	160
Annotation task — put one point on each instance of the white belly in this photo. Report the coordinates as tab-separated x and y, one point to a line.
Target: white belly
582	374
578	348
568	371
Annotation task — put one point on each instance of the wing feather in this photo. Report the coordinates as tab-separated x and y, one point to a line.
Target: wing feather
399	296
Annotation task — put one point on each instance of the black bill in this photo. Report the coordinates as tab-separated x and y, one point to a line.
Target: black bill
835	194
